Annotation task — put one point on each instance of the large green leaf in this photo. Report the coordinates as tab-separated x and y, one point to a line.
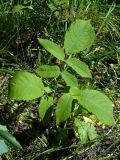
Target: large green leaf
63	110
70	79
48	71
45	104
95	102
85	130
25	86
8	137
80	67
3	147
53	48
79	37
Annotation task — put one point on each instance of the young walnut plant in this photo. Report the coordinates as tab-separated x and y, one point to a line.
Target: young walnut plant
27	86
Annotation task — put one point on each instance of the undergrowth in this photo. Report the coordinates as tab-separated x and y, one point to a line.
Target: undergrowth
20	50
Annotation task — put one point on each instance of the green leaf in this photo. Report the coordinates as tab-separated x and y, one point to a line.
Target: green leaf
47	89
79	37
3	128
47	71
18	8
85	131
7	136
63	110
80	67
3	147
29	7
92	134
82	130
69	79
95	102
53	48
45	104
25	86
55	4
